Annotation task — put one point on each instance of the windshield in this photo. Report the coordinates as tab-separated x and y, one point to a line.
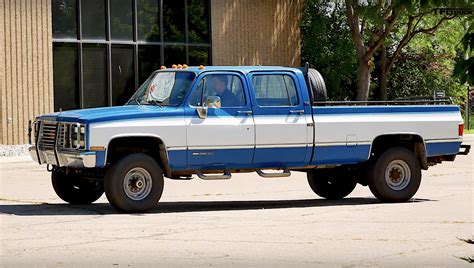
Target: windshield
163	88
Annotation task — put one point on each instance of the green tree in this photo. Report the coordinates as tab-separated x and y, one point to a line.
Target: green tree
375	24
327	46
464	68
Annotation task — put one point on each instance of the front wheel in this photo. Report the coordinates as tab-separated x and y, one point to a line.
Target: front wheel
134	183
74	189
331	183
395	176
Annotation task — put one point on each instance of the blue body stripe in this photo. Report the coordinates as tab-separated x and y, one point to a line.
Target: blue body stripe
100	159
442	148
341	154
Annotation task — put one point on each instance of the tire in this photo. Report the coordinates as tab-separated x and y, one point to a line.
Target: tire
76	190
395	176
317	84
331	184
134	183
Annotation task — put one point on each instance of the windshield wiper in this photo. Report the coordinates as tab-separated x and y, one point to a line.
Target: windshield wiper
155	102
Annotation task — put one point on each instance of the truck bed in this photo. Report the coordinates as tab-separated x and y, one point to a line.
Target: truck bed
344	133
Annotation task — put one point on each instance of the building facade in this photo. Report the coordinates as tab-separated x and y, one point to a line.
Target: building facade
69	54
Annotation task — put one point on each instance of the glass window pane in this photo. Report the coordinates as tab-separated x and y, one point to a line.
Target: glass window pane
198	22
174	55
148	61
199	56
64	19
173	20
93	19
94	62
290	86
123	82
65	76
148	19
270	90
228	87
121	20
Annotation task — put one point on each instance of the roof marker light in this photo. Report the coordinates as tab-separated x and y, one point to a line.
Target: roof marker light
163	67
180	66
185	66
174	66
201	67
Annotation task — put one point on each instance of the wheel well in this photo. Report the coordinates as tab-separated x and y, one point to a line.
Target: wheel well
119	147
412	142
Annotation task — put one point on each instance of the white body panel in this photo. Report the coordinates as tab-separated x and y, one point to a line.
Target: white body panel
364	128
226	132
171	130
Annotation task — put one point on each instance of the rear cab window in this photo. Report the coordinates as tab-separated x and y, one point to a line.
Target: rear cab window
274	90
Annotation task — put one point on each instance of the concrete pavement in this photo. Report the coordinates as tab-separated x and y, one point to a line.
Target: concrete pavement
247	221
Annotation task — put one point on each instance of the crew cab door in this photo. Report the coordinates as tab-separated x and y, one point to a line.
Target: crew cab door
283	124
225	138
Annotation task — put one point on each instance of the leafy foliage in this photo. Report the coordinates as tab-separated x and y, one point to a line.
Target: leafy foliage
418	73
327	46
423	64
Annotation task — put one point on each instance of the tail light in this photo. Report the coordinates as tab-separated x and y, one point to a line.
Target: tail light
461	130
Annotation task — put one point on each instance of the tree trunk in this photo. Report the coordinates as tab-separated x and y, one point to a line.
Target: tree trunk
383	73
364	81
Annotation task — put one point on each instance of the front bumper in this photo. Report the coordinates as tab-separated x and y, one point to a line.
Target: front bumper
64	158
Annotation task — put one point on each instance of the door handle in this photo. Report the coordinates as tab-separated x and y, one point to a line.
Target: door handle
296	111
245	112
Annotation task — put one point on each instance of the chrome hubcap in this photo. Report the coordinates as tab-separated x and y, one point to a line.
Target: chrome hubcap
137	183
397	175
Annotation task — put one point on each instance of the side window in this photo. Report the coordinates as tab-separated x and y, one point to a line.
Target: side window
275	90
226	86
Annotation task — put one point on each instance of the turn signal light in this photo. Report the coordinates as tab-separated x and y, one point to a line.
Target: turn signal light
461	130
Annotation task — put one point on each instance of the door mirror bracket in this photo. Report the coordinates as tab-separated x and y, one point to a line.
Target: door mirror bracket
210	102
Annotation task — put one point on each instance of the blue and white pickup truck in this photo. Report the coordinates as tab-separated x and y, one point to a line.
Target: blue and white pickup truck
216	121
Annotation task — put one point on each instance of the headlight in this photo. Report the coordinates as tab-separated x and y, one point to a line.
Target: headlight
79	136
72	136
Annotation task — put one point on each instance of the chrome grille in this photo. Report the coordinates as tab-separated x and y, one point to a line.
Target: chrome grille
47	135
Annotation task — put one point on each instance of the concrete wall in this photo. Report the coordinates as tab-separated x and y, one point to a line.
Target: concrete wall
256	32
26	72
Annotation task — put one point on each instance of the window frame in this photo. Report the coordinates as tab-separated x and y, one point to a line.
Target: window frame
135	43
203	76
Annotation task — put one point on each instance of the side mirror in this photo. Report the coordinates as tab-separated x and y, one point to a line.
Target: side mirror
210	102
213	102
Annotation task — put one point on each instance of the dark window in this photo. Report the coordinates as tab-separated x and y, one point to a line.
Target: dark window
198	24
174	55
66	93
148	60
121	20
93	19
274	90
104	49
228	87
199	56
94	75
123	82
173	20
148	20
64	18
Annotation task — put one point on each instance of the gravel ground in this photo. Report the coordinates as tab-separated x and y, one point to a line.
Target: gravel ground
14	150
